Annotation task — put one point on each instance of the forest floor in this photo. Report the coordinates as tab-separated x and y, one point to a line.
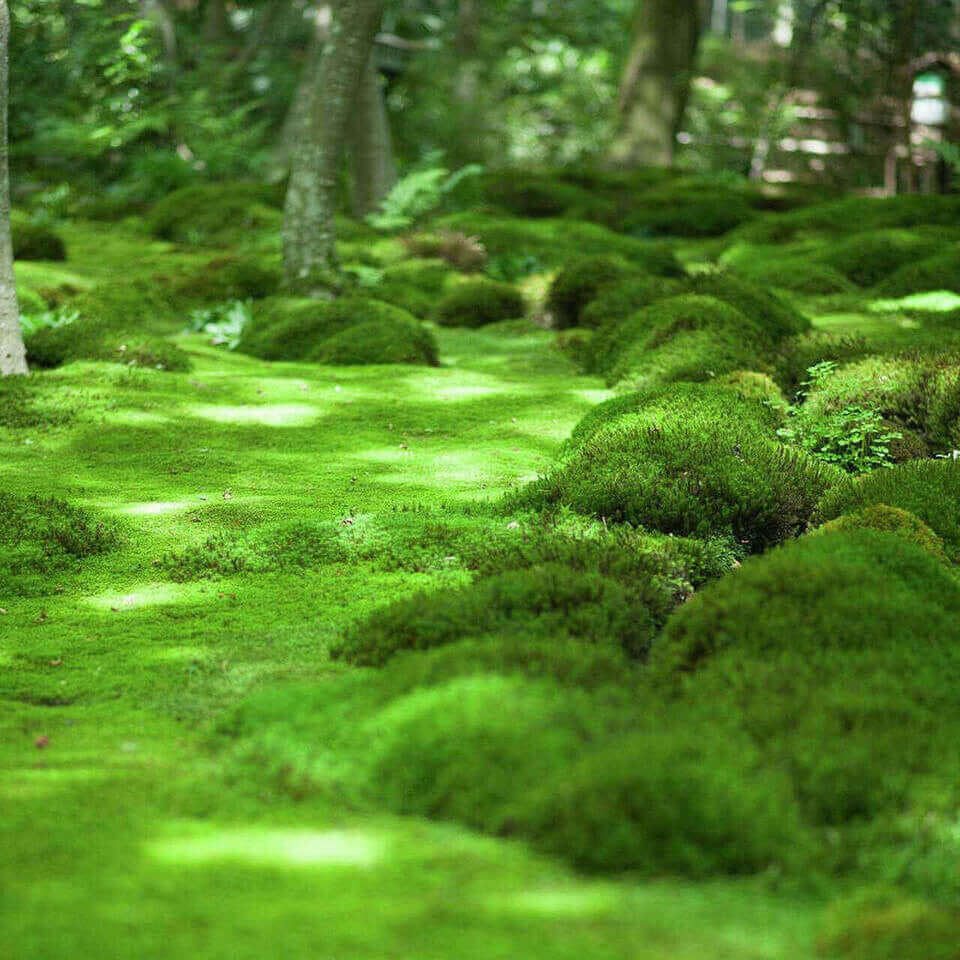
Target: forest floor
120	836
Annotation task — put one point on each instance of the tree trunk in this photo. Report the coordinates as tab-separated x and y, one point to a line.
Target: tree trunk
656	82
216	25
374	172
308	223
13	358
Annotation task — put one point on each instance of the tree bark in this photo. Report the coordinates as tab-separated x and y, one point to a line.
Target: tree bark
308	232
216	25
13	357
374	172
656	82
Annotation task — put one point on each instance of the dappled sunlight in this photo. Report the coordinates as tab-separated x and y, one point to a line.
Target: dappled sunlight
154	508
148	595
577	901
265	847
38	781
268	415
936	301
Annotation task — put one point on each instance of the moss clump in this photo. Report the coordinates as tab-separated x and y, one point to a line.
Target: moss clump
673	401
772	314
889	520
30	301
475	303
214	214
234	277
682	798
839	655
941	272
379	341
760	388
690	337
688	473
798	276
796	355
285	328
885	925
929	489
33	241
42	536
615	303
577	284
542	601
687	209
415	285
538	196
869	257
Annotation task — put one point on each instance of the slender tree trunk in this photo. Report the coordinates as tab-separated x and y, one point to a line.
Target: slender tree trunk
374	172
13	357
308	232
656	82
216	25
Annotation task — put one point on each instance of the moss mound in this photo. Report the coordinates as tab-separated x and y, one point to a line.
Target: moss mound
674	400
34	241
798	276
929	489
689	207
348	330
869	257
683	798
234	277
941	272
688	473
214	214
888	520
619	301
42	536
475	303
577	284
542	195
379	341
415	285
760	388
542	601
772	314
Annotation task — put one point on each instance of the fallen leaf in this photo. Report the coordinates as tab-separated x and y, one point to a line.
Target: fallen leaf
56	663
41	742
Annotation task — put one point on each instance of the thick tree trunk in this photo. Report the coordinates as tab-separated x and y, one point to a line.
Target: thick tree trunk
374	172
308	224
12	355
656	82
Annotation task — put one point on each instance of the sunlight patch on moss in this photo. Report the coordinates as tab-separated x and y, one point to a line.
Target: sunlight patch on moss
148	595
269	415
587	901
272	847
936	301
154	508
19	784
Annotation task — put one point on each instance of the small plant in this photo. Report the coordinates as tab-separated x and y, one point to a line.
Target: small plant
30	323
420	192
223	323
856	438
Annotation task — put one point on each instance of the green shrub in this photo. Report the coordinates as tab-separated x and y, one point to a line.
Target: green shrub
683	797
378	341
475	303
234	277
869	257
929	489
543	601
941	272
33	241
214	214
577	284
674	400
888	520
467	749
42	536
885	925
688	473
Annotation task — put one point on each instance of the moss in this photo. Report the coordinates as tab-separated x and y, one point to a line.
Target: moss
798	276
464	253
286	328
686	472
941	272
577	284
691	338
531	195
869	257
541	601
929	489
378	341
887	925
44	536
888	520
30	301
680	798
688	208
214	214
415	285
234	277
33	241
796	355
619	301
475	303
773	315
760	388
